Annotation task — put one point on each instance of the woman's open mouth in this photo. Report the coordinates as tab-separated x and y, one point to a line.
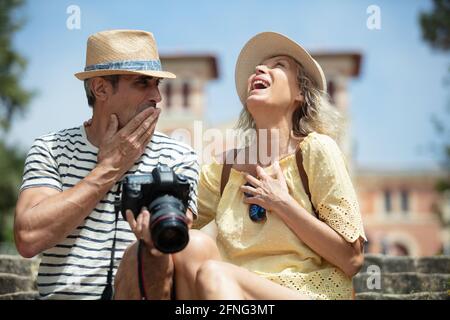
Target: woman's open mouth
259	83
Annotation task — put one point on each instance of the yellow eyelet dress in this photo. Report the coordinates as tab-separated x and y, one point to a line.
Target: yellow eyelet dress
270	249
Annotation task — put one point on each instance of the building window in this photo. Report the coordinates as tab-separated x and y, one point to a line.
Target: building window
168	94
186	93
404	195
387	201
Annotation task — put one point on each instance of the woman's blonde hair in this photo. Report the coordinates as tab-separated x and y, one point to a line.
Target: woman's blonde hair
315	114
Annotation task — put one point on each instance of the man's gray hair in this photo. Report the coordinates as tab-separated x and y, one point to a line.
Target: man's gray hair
113	79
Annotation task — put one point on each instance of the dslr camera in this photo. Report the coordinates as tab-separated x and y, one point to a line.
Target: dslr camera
166	196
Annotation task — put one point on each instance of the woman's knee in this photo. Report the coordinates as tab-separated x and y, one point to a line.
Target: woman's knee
210	269
200	246
200	240
199	249
213	280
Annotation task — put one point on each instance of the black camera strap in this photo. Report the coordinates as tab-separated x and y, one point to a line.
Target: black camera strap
141	246
108	292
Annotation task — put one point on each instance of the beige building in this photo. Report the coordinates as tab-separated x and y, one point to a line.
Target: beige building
339	69
184	98
398	207
400	212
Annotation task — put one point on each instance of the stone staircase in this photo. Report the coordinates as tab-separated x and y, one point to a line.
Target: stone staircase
403	278
18	278
381	278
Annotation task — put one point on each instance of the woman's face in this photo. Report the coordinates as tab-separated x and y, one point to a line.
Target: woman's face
274	85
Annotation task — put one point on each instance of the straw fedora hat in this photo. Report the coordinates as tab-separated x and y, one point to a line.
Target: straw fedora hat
122	52
270	44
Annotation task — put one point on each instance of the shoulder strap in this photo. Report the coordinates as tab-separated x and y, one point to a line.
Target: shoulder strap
225	175
226	172
304	176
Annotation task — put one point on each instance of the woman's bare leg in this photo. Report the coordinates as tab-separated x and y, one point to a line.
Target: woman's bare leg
199	274
217	280
187	262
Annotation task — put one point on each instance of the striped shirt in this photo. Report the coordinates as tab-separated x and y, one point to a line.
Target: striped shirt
76	268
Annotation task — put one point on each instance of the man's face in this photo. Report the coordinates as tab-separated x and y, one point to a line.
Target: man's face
133	94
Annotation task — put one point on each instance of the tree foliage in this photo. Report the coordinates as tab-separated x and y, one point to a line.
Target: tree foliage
436	31
436	25
14	99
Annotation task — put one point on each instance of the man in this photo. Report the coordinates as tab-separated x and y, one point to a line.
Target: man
65	210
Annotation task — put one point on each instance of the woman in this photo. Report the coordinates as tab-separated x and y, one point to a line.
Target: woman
291	254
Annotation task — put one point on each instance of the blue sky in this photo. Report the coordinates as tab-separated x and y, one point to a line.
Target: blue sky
401	83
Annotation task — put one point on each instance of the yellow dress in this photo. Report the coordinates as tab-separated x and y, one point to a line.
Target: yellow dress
270	248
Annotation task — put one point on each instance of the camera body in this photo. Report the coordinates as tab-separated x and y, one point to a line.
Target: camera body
166	196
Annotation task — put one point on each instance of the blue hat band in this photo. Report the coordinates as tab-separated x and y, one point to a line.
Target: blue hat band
153	65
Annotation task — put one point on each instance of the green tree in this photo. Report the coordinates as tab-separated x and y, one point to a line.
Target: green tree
14	100
436	31
436	25
13	97
11	167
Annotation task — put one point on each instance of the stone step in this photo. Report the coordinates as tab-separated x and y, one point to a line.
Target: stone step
22	295
402	282
443	295
18	265
438	264
10	283
390	264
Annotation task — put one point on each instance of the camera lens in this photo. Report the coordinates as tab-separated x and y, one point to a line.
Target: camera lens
168	225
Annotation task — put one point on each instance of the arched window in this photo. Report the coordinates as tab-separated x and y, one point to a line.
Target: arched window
398	249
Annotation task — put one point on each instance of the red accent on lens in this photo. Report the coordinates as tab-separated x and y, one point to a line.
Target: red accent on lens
163	217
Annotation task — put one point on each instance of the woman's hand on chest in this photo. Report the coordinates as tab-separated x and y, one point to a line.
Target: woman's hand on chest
268	191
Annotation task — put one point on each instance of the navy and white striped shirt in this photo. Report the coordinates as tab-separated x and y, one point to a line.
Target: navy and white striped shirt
76	268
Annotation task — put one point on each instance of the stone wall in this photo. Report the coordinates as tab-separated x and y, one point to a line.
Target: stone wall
18	278
381	277
403	278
